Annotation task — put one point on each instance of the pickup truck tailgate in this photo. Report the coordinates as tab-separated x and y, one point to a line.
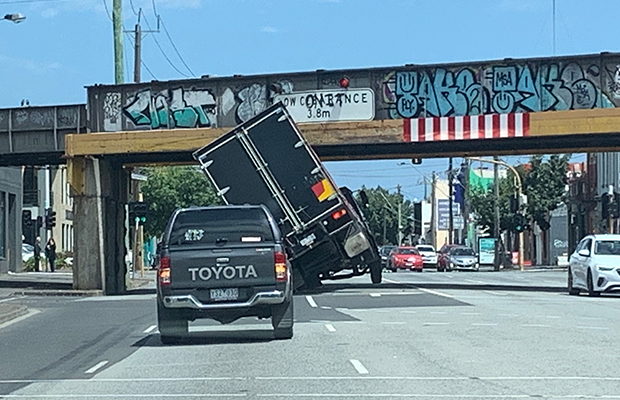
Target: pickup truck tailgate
222	267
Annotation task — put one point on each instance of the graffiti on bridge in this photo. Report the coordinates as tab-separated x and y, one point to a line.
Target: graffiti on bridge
173	108
500	89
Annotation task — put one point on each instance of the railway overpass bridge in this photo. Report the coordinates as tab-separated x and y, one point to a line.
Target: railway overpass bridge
510	106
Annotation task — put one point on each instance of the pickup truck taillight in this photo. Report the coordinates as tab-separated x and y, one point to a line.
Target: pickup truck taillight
164	271
280	265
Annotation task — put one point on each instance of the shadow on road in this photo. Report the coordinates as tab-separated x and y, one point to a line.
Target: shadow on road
212	338
329	287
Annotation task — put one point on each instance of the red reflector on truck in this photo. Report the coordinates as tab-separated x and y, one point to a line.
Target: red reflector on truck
280	266
164	271
339	214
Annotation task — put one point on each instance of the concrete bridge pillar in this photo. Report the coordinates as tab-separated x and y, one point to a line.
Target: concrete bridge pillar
99	189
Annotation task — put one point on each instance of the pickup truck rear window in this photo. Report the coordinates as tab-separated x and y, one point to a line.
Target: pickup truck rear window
221	226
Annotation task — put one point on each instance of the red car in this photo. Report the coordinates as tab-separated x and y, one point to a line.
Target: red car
406	258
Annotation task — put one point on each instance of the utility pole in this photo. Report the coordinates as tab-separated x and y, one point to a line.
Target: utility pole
466	204
400	225
450	201
117	22
496	259
137	58
433	210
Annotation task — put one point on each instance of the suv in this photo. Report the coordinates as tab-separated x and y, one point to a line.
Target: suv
223	263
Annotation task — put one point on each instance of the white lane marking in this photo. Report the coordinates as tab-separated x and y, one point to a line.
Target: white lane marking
393	323
593	318
419	378
438	312
359	367
120	396
552	316
593	327
311	301
95	367
11	299
473	281
390	281
470	313
435	323
375	295
29	313
326	308
150	329
535	326
495	293
508	315
484	324
436	293
330	327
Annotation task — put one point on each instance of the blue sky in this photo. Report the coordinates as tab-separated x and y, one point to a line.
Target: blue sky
65	45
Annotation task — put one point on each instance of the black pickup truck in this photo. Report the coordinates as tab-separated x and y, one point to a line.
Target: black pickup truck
223	263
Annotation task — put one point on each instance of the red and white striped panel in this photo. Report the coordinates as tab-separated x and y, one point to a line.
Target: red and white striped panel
487	126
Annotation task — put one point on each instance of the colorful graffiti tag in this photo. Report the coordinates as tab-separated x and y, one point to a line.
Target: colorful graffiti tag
174	108
500	89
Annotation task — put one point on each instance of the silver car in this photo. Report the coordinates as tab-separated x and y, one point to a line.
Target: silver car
463	258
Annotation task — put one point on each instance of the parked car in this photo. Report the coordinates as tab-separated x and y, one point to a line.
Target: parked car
595	265
384	252
429	255
406	258
458	257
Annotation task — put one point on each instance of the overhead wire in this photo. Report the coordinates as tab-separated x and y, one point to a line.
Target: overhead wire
162	50
161	21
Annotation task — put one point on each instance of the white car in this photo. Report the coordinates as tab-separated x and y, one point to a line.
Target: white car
595	265
429	255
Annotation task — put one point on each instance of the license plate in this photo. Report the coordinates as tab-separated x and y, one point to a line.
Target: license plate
224	294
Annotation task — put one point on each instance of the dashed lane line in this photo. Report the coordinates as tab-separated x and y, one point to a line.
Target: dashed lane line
436	293
311	301
359	367
330	327
94	368
150	329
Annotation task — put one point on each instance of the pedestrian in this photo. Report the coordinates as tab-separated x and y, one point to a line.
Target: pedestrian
50	253
37	253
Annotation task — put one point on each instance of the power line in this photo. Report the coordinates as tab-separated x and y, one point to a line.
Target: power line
175	47
162	50
133	8
107	10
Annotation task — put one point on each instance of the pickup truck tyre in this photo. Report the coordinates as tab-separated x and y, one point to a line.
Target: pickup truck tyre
282	320
375	272
171	327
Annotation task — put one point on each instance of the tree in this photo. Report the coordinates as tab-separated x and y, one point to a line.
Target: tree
382	215
545	186
169	188
482	202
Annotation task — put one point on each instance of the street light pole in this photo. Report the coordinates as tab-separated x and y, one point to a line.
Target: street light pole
519	194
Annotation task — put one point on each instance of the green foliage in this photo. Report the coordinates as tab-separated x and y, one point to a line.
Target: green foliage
482	202
382	214
545	185
169	188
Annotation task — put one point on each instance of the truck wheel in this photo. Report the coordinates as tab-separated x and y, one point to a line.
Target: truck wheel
171	326
375	272
282	320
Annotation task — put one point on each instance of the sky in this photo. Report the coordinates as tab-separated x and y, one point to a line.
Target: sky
65	45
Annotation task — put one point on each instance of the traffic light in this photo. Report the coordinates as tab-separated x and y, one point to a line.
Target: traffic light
50	218
609	207
514	204
518	223
417	218
138	211
26	218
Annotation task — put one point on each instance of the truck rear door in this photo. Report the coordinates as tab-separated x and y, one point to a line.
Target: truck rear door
219	248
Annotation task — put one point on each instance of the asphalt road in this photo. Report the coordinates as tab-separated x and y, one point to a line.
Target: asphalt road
352	340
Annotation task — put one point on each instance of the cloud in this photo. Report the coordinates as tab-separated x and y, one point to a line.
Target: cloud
269	29
30	65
